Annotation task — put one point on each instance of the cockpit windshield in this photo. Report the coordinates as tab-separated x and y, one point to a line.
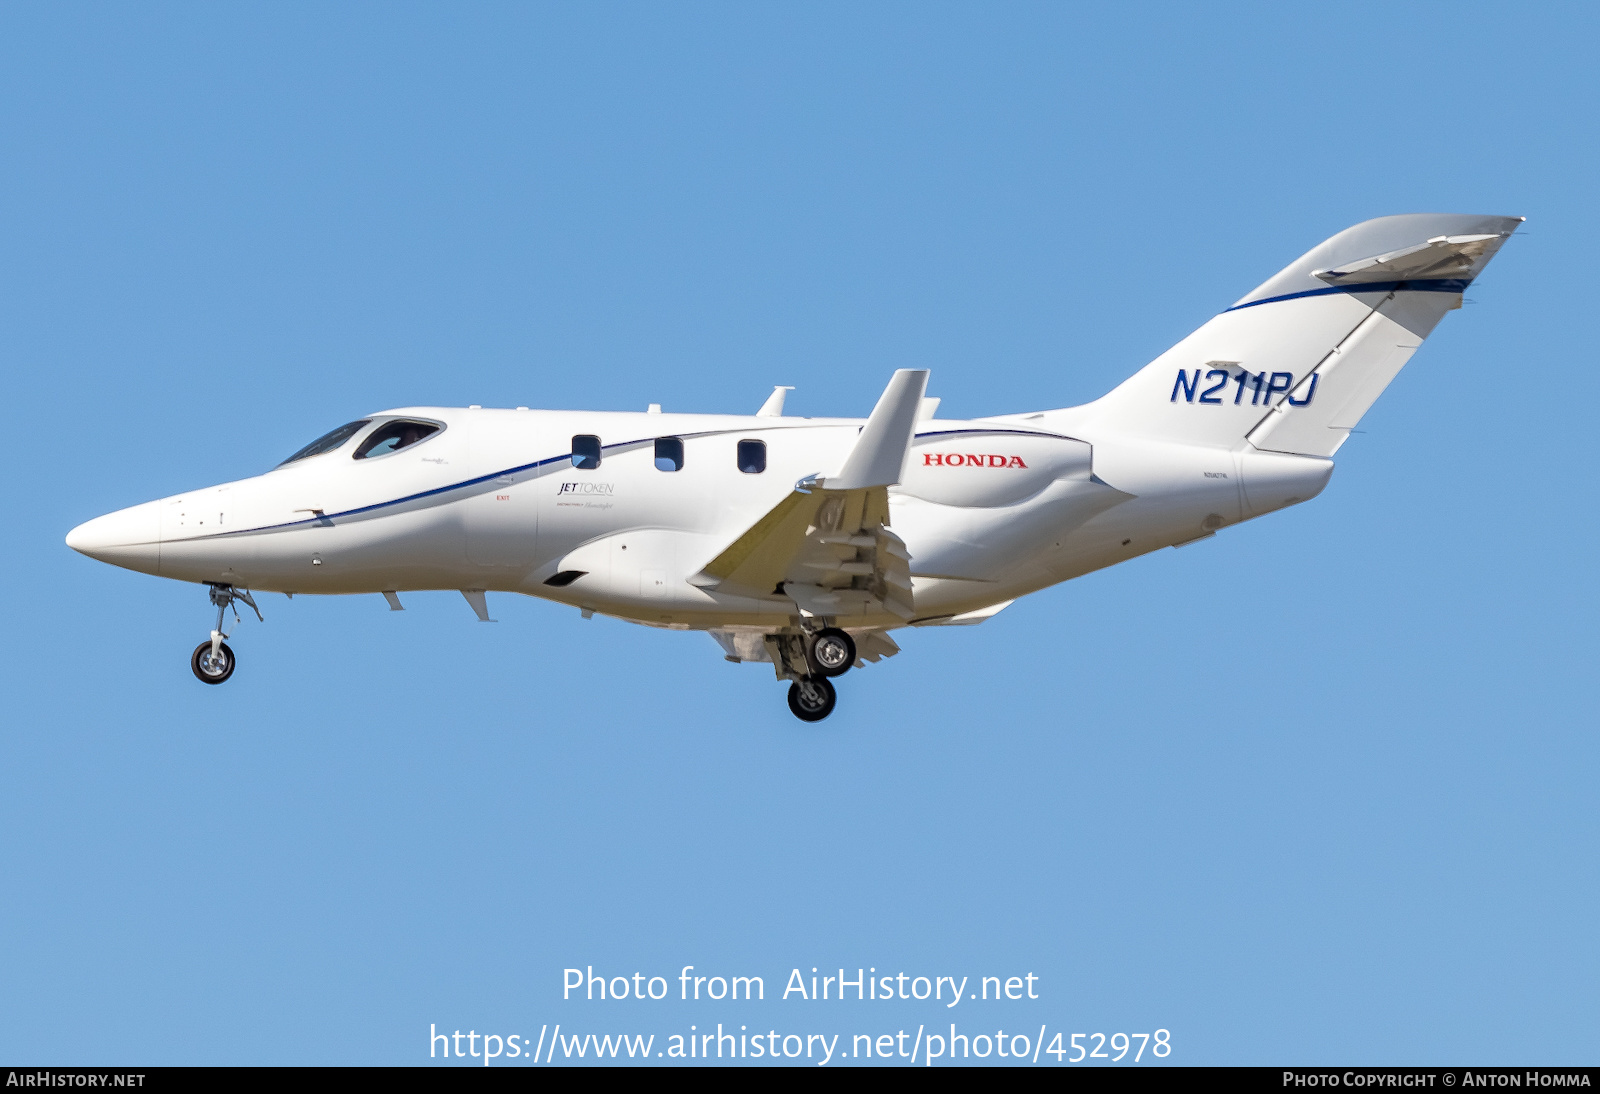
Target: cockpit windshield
394	436
328	441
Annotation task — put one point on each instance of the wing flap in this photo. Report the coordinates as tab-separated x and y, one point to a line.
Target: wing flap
760	558
829	551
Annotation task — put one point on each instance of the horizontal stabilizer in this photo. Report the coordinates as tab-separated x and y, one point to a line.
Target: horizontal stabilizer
1442	257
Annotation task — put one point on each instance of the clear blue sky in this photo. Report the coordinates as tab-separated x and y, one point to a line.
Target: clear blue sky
1319	790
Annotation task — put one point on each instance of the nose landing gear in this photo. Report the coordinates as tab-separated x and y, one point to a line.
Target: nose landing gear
212	661
211	665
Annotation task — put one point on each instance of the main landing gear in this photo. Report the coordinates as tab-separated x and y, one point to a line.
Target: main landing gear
212	661
809	660
831	652
812	698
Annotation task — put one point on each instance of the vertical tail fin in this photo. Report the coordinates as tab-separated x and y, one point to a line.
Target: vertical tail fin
1294	365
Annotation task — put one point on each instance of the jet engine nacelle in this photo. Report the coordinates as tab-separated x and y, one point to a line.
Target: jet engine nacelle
980	468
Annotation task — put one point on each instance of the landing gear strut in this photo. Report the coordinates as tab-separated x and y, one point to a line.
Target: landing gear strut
212	661
807	658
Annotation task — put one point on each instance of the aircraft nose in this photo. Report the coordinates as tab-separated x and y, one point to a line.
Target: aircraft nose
129	537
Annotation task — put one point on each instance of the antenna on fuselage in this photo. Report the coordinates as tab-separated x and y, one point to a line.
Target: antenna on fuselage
773	407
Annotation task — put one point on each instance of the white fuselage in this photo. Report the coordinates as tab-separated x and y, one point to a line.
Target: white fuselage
802	542
989	509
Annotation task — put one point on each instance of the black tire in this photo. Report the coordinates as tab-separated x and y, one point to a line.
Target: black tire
204	670
812	699
831	653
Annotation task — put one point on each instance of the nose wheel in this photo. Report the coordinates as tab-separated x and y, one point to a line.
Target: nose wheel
211	666
212	661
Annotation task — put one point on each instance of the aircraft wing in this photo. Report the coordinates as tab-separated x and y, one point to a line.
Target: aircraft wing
827	545
830	551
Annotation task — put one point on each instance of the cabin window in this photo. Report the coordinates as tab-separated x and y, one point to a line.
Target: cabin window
392	438
752	457
328	441
585	452
669	453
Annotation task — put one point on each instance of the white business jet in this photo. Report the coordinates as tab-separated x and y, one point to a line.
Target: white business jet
803	542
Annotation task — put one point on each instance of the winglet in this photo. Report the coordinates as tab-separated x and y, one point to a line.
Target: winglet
879	457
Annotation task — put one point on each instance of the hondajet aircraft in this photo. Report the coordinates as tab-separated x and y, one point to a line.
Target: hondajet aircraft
803	542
